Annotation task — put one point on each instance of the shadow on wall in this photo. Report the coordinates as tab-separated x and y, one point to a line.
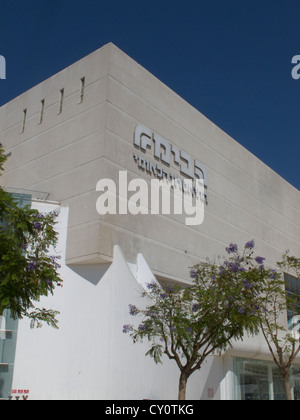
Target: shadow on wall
93	273
211	389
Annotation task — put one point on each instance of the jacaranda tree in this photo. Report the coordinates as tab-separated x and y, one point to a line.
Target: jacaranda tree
283	343
27	270
187	324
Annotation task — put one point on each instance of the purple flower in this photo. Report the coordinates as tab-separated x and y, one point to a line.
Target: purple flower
234	267
193	274
232	248
222	270
31	266
259	260
163	295
24	247
241	310
172	328
195	307
127	328
250	244
55	213
37	226
151	286
53	259
133	310
247	284
142	327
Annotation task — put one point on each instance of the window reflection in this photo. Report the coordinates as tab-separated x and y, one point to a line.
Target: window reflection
260	380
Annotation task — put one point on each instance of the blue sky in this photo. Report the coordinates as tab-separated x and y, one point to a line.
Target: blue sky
230	59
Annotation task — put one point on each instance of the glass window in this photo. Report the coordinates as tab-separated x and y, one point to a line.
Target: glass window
295	382
278	384
253	380
8	340
260	380
292	288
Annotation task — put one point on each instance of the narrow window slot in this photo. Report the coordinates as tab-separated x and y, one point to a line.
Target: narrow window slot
61	100
81	92
42	111
24	120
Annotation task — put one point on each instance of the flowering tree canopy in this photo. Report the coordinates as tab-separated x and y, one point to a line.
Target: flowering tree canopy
187	324
27	271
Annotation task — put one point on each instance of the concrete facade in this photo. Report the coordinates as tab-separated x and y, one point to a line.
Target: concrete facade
68	153
78	127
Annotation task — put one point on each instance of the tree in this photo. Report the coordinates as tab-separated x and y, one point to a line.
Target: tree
189	323
284	345
27	271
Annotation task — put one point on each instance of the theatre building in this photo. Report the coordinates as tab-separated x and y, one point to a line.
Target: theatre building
93	136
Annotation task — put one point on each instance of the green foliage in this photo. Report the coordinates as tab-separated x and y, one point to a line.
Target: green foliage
290	264
27	271
2	158
223	302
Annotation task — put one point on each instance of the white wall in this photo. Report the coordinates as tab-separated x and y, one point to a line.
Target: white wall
89	357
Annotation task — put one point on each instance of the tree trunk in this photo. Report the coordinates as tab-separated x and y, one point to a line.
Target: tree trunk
287	386
182	386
